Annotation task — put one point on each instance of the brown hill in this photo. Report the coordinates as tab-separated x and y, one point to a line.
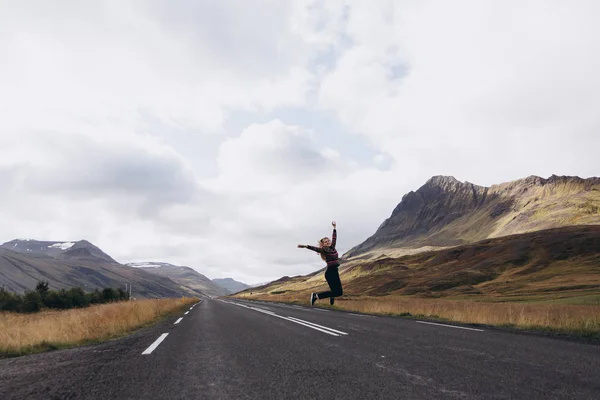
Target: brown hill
445	212
541	265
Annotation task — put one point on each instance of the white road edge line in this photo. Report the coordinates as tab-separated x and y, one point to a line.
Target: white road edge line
262	310
320	309
186	313
307	325
154	345
317	325
450	326
295	320
178	321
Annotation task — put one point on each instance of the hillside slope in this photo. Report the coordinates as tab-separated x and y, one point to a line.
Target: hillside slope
20	271
445	212
547	264
230	285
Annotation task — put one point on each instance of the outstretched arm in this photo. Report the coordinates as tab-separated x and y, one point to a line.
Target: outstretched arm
333	235
313	248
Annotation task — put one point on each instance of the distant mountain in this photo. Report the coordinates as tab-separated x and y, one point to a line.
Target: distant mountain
232	286
186	277
445	212
80	250
75	264
260	284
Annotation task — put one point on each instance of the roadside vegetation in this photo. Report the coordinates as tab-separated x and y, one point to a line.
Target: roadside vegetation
575	320
52	329
45	298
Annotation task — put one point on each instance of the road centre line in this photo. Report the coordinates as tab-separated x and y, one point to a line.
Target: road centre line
154	345
178	321
450	326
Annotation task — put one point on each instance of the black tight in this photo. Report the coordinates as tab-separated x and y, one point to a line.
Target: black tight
333	279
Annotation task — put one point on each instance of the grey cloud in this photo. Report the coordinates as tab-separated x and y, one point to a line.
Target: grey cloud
296	159
87	168
242	34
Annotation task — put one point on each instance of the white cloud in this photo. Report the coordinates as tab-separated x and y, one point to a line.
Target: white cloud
509	87
186	63
107	109
273	157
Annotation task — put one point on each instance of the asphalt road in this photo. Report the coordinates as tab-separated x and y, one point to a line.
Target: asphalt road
224	349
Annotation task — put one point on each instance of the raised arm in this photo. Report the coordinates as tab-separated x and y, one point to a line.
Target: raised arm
333	235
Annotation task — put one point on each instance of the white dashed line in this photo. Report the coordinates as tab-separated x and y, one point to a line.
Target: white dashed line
178	321
450	326
155	344
186	313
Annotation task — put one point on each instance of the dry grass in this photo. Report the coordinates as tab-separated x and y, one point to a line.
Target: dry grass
28	333
571	319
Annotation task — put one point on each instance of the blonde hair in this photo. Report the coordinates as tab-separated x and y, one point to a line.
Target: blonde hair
321	245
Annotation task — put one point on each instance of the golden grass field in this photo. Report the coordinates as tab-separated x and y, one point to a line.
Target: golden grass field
582	320
30	333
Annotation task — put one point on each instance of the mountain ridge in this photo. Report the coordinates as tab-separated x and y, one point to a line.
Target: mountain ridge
445	212
184	276
21	271
230	284
66	264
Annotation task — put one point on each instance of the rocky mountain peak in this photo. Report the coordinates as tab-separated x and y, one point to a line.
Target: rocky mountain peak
446	212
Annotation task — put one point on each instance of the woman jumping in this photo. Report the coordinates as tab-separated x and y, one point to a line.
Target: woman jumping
330	255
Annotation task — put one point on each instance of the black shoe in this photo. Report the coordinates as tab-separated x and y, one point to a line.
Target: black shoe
331	300
313	298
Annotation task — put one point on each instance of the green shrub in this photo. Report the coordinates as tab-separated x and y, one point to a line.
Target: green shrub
32	301
44	297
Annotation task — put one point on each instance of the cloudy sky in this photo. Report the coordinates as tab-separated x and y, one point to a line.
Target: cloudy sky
219	134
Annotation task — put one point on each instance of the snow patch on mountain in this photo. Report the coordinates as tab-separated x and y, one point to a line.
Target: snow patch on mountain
62	246
146	265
